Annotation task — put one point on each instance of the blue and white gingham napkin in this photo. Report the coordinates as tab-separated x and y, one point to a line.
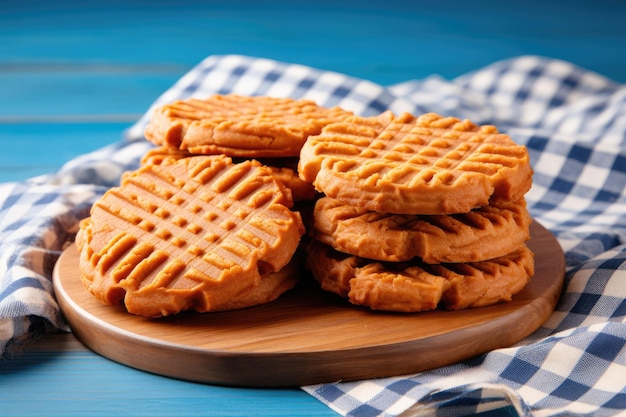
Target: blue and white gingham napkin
574	124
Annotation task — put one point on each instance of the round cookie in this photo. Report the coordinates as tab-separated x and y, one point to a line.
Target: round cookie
194	234
240	126
483	233
415	165
284	169
414	286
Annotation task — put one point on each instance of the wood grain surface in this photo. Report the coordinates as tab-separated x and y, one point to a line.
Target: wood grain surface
307	336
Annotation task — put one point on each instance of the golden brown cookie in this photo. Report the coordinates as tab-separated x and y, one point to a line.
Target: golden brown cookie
284	169
415	165
484	233
415	286
241	126
195	234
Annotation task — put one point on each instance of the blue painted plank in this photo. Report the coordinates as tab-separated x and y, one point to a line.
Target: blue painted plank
28	93
80	383
30	149
385	43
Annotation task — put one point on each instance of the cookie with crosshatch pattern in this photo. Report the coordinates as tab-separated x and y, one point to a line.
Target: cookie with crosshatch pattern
481	234
198	233
284	169
406	164
414	286
240	126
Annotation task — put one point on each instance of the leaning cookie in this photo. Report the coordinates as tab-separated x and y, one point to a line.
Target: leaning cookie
197	234
415	286
240	126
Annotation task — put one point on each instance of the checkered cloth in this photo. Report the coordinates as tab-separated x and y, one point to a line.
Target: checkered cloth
574	125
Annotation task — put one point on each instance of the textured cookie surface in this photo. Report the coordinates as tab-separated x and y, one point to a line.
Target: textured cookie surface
415	286
284	169
164	154
415	165
481	234
195	234
240	126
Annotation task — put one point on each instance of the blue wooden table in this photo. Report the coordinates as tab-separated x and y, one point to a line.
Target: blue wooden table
74	75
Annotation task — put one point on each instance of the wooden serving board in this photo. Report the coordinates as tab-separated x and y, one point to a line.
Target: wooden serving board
307	336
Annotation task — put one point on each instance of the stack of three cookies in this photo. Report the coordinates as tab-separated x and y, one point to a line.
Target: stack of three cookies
418	212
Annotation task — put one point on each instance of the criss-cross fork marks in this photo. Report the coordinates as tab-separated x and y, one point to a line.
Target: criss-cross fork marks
478	235
233	107
215	219
421	150
484	218
415	286
415	165
267	118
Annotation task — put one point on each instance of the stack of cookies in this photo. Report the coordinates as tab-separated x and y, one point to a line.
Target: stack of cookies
203	225
268	129
418	212
408	213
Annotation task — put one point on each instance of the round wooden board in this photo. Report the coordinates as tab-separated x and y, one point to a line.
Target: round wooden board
307	336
